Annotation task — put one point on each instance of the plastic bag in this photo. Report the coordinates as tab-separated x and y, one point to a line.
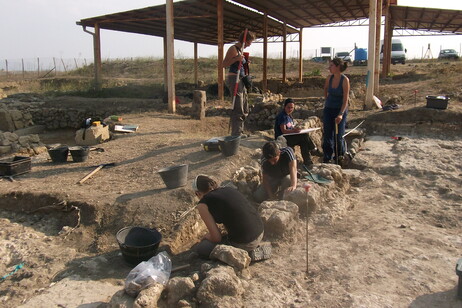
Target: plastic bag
157	269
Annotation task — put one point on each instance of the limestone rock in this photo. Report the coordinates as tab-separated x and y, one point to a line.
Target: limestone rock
148	297
237	258
178	288
279	217
93	135
221	288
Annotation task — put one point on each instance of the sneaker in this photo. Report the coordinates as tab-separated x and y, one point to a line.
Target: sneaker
262	252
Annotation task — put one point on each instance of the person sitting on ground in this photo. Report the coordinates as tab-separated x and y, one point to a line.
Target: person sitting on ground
284	124
227	206
279	172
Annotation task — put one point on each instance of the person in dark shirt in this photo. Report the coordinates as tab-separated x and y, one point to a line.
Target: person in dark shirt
279	172
336	93
227	206
284	124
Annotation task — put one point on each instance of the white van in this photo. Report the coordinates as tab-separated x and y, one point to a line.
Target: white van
398	52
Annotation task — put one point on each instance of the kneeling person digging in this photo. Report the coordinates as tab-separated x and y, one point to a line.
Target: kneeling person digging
229	207
279	172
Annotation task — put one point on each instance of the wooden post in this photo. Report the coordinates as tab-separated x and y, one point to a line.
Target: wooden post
64	65
220	33
23	70
196	66
369	103
97	59
377	46
300	59
265	52
6	67
38	67
388	33
54	63
165	100
170	56
284	52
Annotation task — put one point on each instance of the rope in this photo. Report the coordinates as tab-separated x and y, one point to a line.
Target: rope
16	268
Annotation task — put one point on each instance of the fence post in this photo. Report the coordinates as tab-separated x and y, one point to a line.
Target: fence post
38	67
62	61
6	67
54	63
23	71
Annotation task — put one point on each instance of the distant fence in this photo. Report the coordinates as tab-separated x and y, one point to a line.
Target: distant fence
40	67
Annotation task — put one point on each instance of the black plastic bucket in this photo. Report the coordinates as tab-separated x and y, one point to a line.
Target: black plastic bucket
175	176
229	145
59	154
138	244
79	154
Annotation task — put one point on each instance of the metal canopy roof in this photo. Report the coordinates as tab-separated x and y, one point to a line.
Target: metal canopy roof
195	21
433	20
307	13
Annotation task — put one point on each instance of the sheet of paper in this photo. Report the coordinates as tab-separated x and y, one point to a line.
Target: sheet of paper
303	131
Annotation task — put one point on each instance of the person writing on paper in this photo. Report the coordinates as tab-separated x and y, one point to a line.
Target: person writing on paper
284	124
279	172
227	206
336	92
234	57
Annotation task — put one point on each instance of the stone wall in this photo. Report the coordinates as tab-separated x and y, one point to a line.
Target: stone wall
12	143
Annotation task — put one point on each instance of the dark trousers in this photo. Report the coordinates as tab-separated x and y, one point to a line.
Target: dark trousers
328	144
240	108
305	143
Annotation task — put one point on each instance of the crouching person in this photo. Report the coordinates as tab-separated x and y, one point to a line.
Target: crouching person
279	172
227	206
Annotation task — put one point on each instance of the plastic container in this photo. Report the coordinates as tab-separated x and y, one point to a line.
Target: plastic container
79	153
175	176
437	102
15	166
229	145
59	154
138	244
212	144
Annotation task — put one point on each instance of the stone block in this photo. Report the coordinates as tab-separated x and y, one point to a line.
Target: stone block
16	115
198	105
18	124
36	129
6	122
237	258
5	149
92	135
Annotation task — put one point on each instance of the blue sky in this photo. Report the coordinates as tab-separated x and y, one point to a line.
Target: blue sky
47	28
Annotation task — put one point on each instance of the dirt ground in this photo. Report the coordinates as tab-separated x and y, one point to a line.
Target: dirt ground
396	246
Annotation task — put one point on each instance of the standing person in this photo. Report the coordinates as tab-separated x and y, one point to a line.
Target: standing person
336	92
234	56
284	124
279	172
227	206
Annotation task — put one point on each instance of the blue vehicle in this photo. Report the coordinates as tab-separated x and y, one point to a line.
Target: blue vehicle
360	56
